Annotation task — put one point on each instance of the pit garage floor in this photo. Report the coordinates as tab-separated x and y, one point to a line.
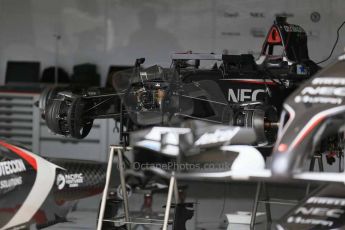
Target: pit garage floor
78	220
213	201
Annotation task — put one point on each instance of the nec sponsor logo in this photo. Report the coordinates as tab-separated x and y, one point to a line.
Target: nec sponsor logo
12	167
241	95
317	211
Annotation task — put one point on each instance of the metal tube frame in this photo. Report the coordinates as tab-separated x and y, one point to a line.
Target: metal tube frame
173	191
169	199
123	186
105	191
255	205
120	150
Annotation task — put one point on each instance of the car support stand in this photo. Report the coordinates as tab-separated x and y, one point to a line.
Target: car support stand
178	221
120	150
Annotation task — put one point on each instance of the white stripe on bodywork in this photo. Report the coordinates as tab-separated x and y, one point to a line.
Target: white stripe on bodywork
44	182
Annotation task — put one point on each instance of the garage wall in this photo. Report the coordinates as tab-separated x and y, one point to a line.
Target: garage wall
118	31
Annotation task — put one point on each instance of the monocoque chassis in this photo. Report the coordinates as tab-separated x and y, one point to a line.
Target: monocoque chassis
236	90
157	96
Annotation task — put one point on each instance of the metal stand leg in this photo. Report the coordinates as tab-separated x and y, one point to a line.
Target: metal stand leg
105	191
311	169
340	165
320	162
123	187
317	156
267	204
312	163
255	205
168	205
307	190
176	193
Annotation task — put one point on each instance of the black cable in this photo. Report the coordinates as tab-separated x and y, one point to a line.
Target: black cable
335	44
273	77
